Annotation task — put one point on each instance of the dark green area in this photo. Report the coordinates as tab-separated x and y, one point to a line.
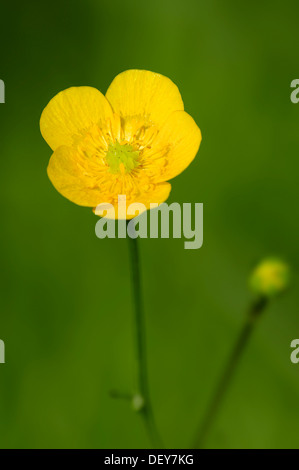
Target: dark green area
65	296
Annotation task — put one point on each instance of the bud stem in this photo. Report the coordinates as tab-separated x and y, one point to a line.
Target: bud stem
254	312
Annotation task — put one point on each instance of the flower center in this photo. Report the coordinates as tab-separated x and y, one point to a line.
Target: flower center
121	158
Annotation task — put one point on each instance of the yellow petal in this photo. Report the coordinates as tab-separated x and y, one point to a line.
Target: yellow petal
71	112
156	195
71	179
144	93
174	148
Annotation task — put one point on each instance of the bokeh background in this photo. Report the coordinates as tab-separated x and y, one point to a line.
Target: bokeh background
65	295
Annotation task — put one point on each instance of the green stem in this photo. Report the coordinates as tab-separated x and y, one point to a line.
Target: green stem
229	370
143	403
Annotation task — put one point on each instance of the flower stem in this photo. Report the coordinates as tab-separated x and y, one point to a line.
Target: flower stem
142	398
254	312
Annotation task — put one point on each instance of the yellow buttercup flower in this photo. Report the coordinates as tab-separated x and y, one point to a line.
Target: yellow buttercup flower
129	142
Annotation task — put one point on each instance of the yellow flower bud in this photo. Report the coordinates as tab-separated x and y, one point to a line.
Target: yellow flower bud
270	277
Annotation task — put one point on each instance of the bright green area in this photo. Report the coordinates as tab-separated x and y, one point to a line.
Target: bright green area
121	155
65	295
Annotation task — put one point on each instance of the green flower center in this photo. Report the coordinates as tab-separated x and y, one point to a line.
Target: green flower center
122	158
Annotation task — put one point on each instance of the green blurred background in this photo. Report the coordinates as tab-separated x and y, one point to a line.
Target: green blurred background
65	295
